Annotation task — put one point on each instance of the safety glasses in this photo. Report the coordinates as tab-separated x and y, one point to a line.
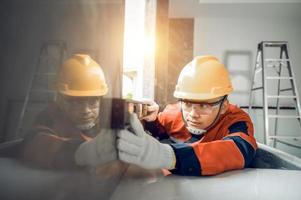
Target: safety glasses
80	101
204	108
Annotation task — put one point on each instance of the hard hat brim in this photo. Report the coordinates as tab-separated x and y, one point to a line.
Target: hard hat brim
77	93
199	96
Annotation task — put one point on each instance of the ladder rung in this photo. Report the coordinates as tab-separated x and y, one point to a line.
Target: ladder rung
282	96
276	60
274	43
279	77
286	89
284	137
270	65
257	88
284	116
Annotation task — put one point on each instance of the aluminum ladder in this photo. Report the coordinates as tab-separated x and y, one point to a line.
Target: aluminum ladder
264	66
41	90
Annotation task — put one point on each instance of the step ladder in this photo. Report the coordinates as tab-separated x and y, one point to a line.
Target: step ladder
281	66
41	88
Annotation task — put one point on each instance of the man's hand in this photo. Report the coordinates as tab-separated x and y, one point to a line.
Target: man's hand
139	148
152	109
97	151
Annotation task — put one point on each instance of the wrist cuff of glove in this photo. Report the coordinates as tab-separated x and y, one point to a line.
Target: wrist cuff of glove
169	157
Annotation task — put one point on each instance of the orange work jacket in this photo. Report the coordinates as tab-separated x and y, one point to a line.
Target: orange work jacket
53	140
228	145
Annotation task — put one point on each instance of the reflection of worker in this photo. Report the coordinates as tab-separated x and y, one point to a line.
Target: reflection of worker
67	133
208	134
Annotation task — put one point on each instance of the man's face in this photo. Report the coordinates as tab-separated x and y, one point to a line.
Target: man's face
201	114
82	111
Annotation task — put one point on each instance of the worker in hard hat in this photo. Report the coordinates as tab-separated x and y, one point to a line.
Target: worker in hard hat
207	135
67	134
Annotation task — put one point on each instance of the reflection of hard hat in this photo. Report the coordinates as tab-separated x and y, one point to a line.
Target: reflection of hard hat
203	78
80	75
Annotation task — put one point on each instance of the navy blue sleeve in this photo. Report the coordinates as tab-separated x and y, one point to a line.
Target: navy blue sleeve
239	127
187	162
245	148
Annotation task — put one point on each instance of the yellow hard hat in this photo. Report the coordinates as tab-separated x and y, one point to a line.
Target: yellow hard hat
80	76
203	78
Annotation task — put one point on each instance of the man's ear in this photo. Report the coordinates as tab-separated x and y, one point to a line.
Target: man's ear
225	106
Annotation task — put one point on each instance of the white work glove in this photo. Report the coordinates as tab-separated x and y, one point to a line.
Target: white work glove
142	149
152	109
98	151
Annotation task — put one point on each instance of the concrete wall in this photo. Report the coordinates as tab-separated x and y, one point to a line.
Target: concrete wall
85	26
180	51
161	51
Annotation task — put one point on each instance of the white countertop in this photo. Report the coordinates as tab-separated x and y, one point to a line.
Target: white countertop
18	181
239	184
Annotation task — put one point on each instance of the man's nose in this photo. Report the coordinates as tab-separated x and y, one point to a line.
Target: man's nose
195	111
85	108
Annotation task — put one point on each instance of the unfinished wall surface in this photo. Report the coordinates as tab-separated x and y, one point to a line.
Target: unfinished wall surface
180	51
174	48
161	53
94	27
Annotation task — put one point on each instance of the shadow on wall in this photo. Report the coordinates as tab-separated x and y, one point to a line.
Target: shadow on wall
239	65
